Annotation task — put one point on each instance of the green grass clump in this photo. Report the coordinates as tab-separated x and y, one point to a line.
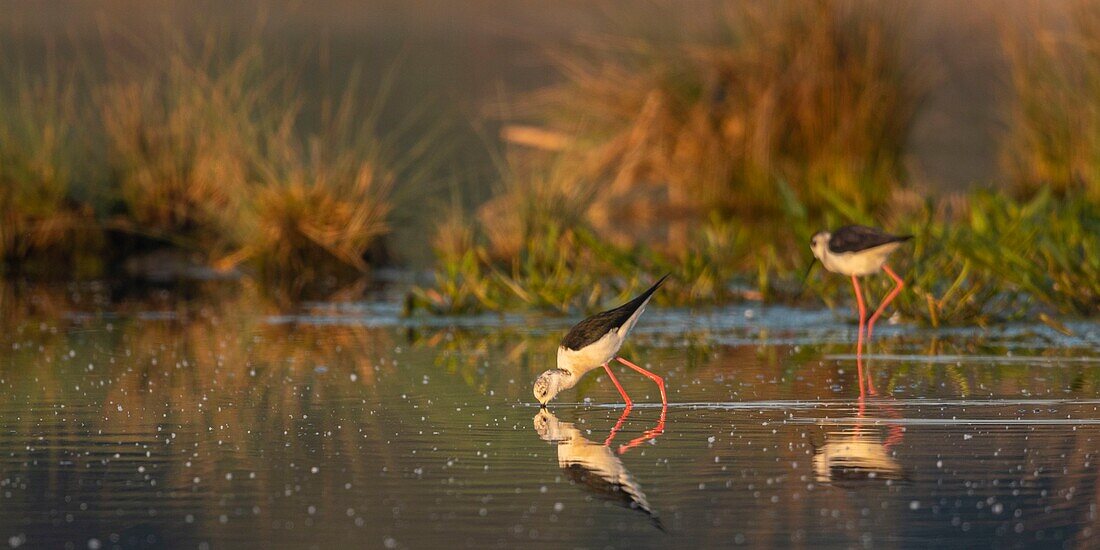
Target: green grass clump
1043	248
534	247
997	258
1053	136
977	259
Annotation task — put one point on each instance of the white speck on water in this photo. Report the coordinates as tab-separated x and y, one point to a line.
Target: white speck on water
389	542
558	507
914	505
94	544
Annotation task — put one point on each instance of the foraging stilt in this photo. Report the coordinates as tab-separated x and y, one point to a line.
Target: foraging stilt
595	342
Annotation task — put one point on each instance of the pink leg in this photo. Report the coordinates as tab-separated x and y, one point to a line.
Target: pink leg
660	381
885	301
859	340
618	386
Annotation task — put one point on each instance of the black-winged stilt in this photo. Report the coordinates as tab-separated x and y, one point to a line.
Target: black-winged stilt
593	343
857	250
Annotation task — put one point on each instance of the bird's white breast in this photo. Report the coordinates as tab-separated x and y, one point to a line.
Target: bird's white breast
863	262
591	356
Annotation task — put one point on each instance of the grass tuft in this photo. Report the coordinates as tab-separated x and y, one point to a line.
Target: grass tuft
1053	137
41	211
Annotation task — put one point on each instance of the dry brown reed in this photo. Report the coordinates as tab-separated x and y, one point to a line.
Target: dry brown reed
1053	137
40	156
820	96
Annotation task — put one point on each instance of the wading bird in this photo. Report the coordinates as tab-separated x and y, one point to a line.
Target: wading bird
857	250
593	343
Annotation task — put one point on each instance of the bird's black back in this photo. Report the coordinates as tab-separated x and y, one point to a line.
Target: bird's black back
855	238
598	325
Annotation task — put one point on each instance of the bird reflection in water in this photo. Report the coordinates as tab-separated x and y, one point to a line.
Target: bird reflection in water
861	449
594	466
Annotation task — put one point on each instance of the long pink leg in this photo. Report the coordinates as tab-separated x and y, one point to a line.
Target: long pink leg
885	301
660	381
859	340
618	386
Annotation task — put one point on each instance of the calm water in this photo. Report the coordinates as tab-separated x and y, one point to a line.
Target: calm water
229	422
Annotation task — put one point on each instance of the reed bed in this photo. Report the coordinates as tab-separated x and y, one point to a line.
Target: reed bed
712	156
1053	138
41	218
982	258
789	121
820	96
201	145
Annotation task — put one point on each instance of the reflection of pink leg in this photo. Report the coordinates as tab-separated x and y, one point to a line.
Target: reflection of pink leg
618	426
618	386
885	301
896	431
649	434
660	381
870	382
859	340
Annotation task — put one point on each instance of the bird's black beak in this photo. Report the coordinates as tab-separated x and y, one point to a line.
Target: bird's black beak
807	276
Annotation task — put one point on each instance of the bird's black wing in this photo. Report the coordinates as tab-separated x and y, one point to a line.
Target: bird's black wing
598	325
854	238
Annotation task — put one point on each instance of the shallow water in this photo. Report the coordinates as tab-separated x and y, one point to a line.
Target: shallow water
231	422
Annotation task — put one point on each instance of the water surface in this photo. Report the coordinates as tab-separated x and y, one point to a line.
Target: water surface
231	422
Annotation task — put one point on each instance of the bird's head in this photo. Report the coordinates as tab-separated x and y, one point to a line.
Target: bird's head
819	243
549	383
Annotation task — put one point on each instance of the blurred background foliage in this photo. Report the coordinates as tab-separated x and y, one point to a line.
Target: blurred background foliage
558	158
